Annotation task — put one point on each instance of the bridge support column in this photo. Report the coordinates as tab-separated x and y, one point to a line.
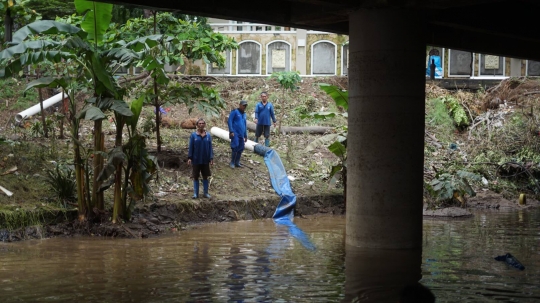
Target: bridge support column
386	127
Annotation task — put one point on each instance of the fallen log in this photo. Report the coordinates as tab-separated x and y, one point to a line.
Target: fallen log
321	130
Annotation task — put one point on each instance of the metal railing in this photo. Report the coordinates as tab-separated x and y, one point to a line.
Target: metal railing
228	28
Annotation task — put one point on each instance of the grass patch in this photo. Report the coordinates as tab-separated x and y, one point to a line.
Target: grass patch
11	96
18	218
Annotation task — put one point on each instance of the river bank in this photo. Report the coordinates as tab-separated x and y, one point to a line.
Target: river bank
453	146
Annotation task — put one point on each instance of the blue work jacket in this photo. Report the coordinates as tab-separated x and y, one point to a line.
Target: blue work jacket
263	113
200	149
237	123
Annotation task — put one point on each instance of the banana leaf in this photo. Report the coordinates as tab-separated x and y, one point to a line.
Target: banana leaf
97	17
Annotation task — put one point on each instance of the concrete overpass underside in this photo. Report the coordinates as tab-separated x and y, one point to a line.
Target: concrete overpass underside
386	106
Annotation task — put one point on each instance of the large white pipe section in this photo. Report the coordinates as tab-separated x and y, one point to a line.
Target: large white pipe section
223	134
37	108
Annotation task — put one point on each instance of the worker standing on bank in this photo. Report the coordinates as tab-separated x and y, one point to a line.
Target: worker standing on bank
264	111
200	157
237	133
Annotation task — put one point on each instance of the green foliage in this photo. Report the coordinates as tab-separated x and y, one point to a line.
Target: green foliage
172	41
62	182
339	140
13	219
526	153
204	98
36	129
51	9
34	44
438	117
447	187
122	13
518	121
20	14
287	80
148	125
457	112
340	96
97	16
438	113
306	106
341	99
11	96
183	39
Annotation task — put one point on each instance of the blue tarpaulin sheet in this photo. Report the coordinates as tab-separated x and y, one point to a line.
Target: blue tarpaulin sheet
438	66
284	213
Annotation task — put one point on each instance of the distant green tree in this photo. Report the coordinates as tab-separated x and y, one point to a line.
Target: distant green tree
122	13
193	42
14	15
50	9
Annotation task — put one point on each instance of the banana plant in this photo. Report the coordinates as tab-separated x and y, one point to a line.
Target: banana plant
32	45
131	160
336	142
179	42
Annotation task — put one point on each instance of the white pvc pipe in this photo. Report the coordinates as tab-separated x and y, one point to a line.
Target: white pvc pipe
7	192
223	134
37	108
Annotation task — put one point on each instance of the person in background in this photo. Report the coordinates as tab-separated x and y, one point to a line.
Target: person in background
237	132
200	157
264	111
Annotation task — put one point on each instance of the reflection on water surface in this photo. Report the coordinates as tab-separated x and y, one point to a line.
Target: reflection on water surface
258	261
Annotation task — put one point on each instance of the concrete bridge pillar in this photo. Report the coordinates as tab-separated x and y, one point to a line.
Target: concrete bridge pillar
386	129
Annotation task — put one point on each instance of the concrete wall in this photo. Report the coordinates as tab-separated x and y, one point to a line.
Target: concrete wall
300	45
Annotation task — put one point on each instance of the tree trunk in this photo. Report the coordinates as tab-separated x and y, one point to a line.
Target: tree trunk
158	117
64	113
40	93
321	130
156	100
119	204
118	207
97	197
8	26
79	176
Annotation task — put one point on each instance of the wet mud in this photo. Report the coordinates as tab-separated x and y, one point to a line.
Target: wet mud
155	219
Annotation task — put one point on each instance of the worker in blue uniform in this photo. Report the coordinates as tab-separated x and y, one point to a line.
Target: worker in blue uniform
264	116
237	132
200	157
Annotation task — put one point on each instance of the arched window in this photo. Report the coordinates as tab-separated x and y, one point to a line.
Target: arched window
323	58
460	63
278	57
248	58
214	69
435	55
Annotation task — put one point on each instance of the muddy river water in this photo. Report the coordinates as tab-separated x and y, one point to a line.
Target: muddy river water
259	261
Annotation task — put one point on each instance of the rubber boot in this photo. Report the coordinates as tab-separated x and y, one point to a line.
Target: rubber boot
233	160
237	160
257	140
267	142
205	189
195	189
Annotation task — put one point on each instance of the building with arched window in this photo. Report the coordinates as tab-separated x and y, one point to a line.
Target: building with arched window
265	49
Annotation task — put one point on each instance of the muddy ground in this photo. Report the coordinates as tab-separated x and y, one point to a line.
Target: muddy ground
237	194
